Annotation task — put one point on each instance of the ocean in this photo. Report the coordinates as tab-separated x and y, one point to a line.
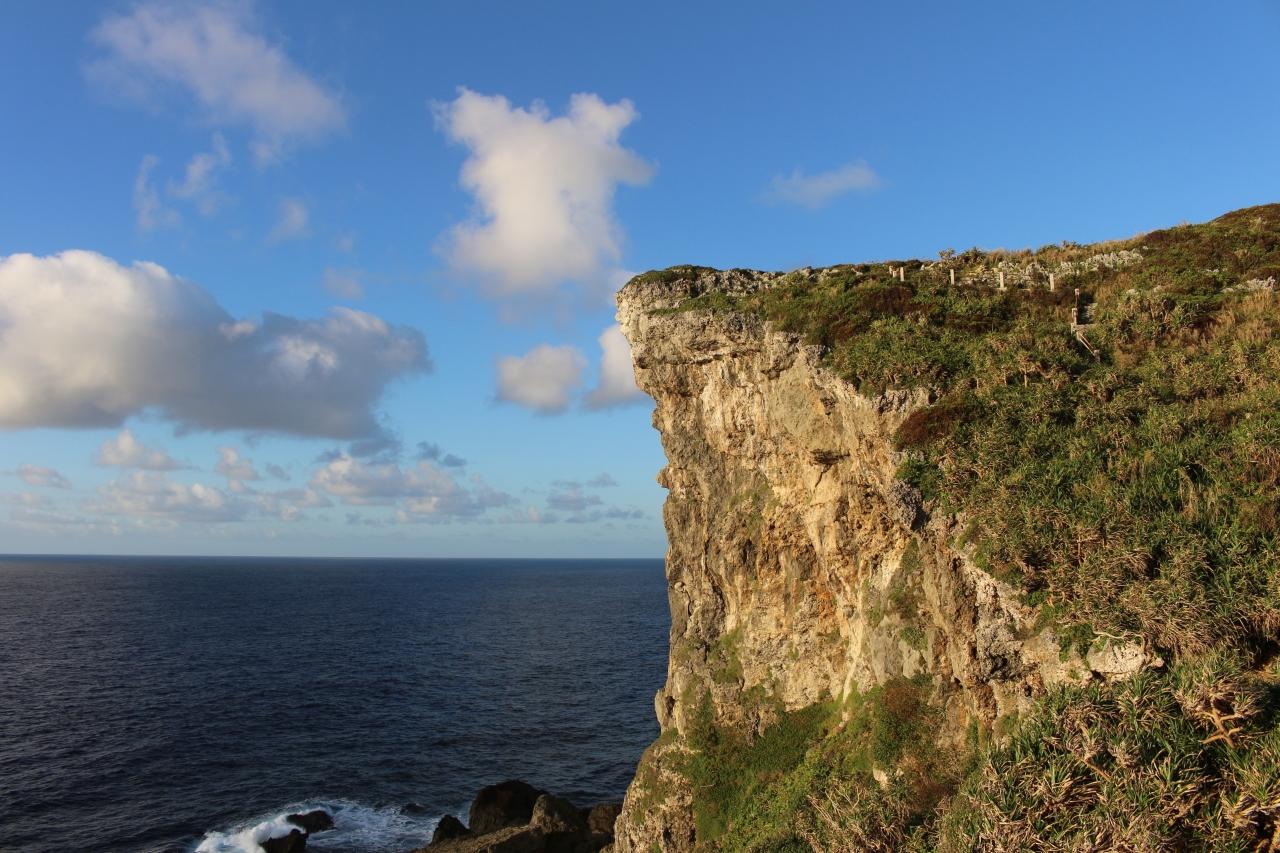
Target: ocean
169	704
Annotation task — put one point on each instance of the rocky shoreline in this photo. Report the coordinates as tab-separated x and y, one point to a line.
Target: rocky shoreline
509	817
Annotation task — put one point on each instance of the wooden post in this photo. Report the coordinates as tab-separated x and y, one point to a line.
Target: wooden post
1051	283
902	273
1002	279
953	278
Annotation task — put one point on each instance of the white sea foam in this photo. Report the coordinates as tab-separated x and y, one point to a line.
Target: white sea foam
356	826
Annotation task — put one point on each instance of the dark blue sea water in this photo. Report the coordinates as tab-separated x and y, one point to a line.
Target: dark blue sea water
158	704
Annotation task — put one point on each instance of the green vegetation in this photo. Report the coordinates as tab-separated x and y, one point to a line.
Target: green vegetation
1130	488
1188	761
761	793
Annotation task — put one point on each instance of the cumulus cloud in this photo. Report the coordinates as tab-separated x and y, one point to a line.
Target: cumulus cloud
236	468
88	342
151	212
602	481
216	55
543	379
38	475
277	472
815	191
344	283
291	222
424	492
199	182
544	188
147	495
125	451
617	384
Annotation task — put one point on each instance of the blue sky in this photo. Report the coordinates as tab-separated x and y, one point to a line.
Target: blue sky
376	226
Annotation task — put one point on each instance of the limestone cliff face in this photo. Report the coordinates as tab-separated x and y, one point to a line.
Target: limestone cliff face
799	566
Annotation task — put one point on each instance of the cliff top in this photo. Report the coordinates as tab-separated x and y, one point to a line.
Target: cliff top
1105	415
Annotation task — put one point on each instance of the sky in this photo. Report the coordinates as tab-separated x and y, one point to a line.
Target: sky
333	279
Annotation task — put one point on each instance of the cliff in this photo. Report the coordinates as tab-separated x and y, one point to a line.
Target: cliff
847	655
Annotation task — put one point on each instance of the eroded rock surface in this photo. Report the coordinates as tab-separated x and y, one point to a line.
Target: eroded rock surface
799	565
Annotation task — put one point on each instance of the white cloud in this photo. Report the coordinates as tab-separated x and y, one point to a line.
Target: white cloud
88	342
215	54
544	379
199	182
38	475
147	495
236	468
814	191
151	212
125	451
291	223
617	384
424	492
544	190
344	283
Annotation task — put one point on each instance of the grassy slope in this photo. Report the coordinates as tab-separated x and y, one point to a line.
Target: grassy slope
1130	493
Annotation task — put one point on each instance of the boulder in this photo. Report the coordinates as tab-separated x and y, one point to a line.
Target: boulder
449	828
556	814
506	804
294	842
316	820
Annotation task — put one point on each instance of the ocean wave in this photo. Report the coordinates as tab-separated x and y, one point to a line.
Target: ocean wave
356	827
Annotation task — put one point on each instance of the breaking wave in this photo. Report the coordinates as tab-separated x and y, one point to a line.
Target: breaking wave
356	826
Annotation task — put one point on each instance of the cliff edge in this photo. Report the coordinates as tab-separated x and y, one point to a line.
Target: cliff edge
848	653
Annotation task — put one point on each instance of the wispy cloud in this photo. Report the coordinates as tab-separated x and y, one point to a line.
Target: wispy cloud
216	56
817	190
291	221
344	283
150	210
199	184
42	477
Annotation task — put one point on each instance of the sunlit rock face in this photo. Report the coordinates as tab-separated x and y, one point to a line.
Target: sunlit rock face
800	568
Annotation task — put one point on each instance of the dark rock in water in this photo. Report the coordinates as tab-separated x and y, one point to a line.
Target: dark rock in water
602	817
317	820
449	827
414	808
294	842
515	817
506	804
